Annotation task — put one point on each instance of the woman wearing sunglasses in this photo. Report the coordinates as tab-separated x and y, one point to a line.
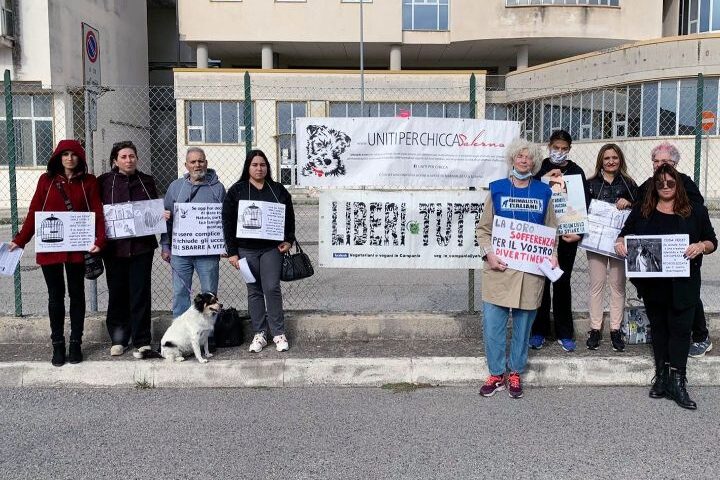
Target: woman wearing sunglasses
670	302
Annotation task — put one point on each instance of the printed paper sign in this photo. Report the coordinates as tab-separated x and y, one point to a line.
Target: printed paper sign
400	229
197	229
402	152
657	256
604	224
134	219
64	231
9	260
569	203
522	245
265	220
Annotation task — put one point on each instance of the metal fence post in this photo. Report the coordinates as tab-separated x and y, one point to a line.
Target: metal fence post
12	154
247	114
471	272
90	160
698	127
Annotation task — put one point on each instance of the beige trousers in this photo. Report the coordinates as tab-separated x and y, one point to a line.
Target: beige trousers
602	268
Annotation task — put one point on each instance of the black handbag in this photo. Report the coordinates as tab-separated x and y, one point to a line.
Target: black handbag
229	328
296	266
93	263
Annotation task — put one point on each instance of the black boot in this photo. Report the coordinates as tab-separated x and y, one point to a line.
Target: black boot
74	353
58	358
659	383
676	389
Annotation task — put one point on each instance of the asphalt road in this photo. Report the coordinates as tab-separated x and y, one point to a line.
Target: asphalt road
356	433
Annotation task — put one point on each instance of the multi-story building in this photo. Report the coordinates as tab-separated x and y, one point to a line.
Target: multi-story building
607	70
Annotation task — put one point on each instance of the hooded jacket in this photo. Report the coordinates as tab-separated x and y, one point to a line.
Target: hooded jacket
209	191
82	191
116	187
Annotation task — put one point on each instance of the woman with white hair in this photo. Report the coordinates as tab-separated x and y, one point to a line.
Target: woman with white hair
518	197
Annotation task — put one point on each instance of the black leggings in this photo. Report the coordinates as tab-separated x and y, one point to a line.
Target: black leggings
670	328
56	299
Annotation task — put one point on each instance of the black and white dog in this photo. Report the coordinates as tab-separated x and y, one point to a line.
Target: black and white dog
191	330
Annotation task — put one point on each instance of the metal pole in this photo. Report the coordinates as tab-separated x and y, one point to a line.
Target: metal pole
471	272
12	160
247	114
90	161
362	63
698	128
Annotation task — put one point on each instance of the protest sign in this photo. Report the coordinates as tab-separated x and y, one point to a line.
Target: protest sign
657	256
522	245
402	152
264	220
134	219
197	229
604	224
400	229
569	203
64	231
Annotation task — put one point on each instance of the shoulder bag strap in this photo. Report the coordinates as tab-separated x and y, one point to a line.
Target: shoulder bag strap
68	205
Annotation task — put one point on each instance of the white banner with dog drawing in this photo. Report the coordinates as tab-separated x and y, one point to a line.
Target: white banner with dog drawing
400	229
402	152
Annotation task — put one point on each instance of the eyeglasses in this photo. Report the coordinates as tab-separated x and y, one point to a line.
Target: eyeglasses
660	184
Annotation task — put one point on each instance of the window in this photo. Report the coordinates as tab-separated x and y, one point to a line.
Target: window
386	109
32	117
216	122
697	16
287	112
569	3
425	14
7	19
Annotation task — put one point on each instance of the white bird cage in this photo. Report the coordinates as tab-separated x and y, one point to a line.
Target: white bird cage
252	217
51	230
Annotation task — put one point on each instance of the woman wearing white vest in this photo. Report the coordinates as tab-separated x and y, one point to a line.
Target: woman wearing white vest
518	197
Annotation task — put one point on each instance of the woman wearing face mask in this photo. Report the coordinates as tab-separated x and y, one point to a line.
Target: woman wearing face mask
557	164
128	261
505	289
612	184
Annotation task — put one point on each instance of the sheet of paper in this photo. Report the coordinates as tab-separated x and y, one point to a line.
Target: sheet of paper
551	273
9	260
245	271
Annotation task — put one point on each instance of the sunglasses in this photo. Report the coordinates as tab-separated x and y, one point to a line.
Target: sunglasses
660	184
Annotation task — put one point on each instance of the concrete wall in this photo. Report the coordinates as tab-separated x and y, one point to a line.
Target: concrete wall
32	45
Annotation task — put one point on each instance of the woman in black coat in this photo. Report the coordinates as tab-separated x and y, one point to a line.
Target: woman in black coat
670	302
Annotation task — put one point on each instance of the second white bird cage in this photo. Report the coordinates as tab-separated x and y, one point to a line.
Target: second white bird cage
252	217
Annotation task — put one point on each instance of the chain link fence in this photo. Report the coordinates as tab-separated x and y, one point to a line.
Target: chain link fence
226	114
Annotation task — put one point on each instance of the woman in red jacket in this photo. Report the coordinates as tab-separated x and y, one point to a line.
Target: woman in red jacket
66	177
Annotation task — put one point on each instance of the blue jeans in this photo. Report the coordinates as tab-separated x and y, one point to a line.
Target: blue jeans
208	271
495	320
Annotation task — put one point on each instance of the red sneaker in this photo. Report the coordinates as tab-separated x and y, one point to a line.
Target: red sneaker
493	384
513	385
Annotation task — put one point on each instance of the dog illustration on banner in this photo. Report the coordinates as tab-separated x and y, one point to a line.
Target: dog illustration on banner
325	147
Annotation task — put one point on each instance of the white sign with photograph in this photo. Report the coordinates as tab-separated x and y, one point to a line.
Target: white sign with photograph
64	231
400	229
657	256
402	152
263	220
134	219
522	245
604	224
569	203
197	229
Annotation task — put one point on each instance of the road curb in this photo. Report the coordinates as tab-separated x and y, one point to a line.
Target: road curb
353	371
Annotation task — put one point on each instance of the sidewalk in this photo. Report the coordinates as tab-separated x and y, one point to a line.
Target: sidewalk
330	350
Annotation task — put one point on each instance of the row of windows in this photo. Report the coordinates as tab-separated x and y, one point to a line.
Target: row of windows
33	128
698	16
665	108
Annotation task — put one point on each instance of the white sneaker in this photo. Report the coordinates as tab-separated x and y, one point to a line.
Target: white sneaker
281	343
117	350
140	353
258	343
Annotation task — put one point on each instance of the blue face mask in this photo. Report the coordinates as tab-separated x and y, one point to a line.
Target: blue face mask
557	157
520	176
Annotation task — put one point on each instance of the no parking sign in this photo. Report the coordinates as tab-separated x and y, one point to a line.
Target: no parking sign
91	55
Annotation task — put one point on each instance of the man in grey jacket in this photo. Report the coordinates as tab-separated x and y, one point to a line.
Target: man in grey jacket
199	185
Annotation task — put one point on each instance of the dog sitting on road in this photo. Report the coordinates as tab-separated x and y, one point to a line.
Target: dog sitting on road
191	330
